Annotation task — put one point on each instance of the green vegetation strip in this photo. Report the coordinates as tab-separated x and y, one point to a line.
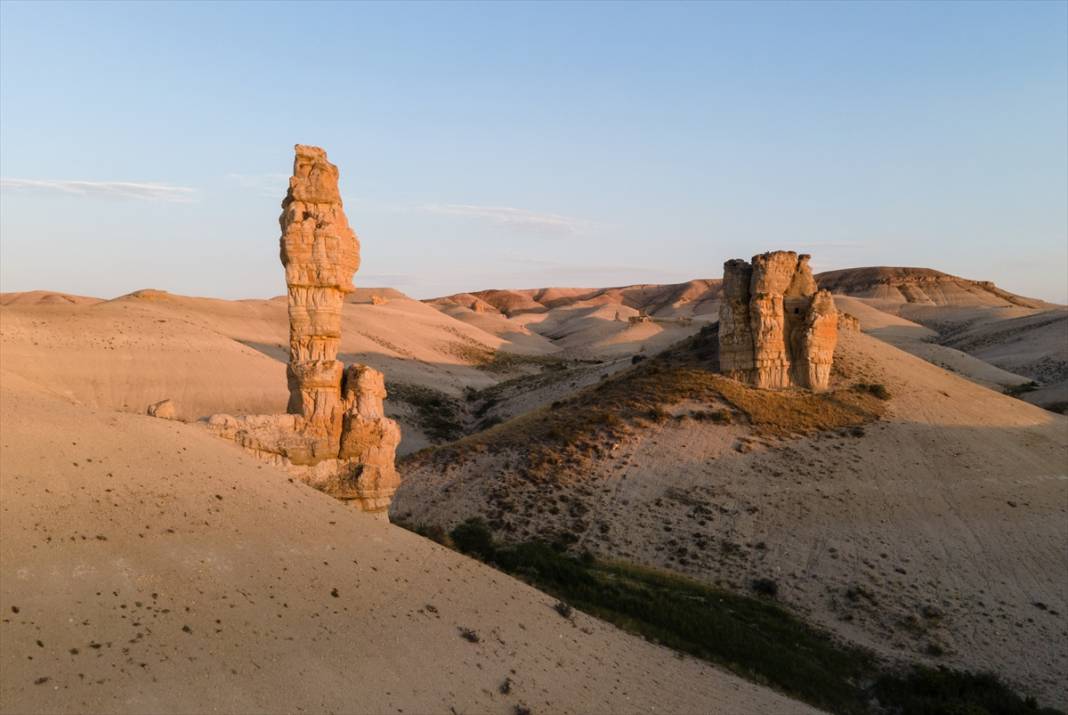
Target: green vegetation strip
753	637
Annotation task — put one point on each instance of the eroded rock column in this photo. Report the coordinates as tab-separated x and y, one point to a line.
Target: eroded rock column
320	253
335	436
776	329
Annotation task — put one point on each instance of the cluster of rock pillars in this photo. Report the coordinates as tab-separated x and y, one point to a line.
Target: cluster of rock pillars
776	330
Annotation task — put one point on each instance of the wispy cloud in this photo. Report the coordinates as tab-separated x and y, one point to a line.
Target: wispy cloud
145	191
263	184
514	218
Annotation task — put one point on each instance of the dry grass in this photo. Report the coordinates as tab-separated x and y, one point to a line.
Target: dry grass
590	422
494	361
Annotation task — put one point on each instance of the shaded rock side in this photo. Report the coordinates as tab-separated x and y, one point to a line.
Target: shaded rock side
777	329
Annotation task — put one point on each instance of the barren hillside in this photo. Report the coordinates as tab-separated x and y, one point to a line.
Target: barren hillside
1025	338
212	355
150	567
928	525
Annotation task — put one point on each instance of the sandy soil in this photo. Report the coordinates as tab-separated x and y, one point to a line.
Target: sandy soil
922	342
149	567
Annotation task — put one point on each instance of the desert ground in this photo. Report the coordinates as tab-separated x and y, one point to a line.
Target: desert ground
150	567
929	526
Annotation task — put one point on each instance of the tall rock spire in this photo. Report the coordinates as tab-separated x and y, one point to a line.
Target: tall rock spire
336	436
320	253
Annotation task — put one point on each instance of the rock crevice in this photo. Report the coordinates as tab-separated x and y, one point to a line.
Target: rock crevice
776	327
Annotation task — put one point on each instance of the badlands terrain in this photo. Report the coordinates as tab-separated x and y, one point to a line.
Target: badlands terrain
919	508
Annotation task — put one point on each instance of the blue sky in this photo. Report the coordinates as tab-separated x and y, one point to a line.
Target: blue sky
524	145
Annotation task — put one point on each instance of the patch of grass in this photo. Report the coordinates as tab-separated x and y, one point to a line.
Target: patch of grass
721	417
743	634
942	691
873	388
1061	408
490	360
554	443
752	637
765	587
438	415
1017	390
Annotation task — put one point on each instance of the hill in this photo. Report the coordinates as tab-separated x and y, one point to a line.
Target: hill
1024	338
211	355
150	567
920	286
881	519
592	322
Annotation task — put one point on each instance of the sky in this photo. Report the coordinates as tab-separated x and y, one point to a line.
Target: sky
513	145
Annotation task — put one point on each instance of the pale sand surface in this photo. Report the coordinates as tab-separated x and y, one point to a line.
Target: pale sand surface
919	341
149	567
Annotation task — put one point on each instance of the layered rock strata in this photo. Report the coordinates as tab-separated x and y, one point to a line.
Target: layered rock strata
336	436
776	328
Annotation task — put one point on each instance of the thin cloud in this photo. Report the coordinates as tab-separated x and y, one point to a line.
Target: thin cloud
263	184
514	218
144	191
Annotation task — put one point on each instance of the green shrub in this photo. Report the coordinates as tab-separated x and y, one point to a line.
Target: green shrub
475	538
942	691
765	587
1017	390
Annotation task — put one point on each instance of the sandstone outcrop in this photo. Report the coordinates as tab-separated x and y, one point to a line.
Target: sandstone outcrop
335	436
164	409
776	328
320	253
848	322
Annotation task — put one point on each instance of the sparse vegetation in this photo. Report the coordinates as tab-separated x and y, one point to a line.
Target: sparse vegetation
469	635
765	587
438	415
721	417
586	423
873	388
490	360
941	691
1017	390
750	636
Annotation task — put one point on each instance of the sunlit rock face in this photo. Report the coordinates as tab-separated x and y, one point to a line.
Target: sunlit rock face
336	436
320	253
776	328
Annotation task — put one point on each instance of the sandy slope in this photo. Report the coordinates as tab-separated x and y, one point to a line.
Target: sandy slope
148	567
922	342
975	328
942	526
229	356
592	322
